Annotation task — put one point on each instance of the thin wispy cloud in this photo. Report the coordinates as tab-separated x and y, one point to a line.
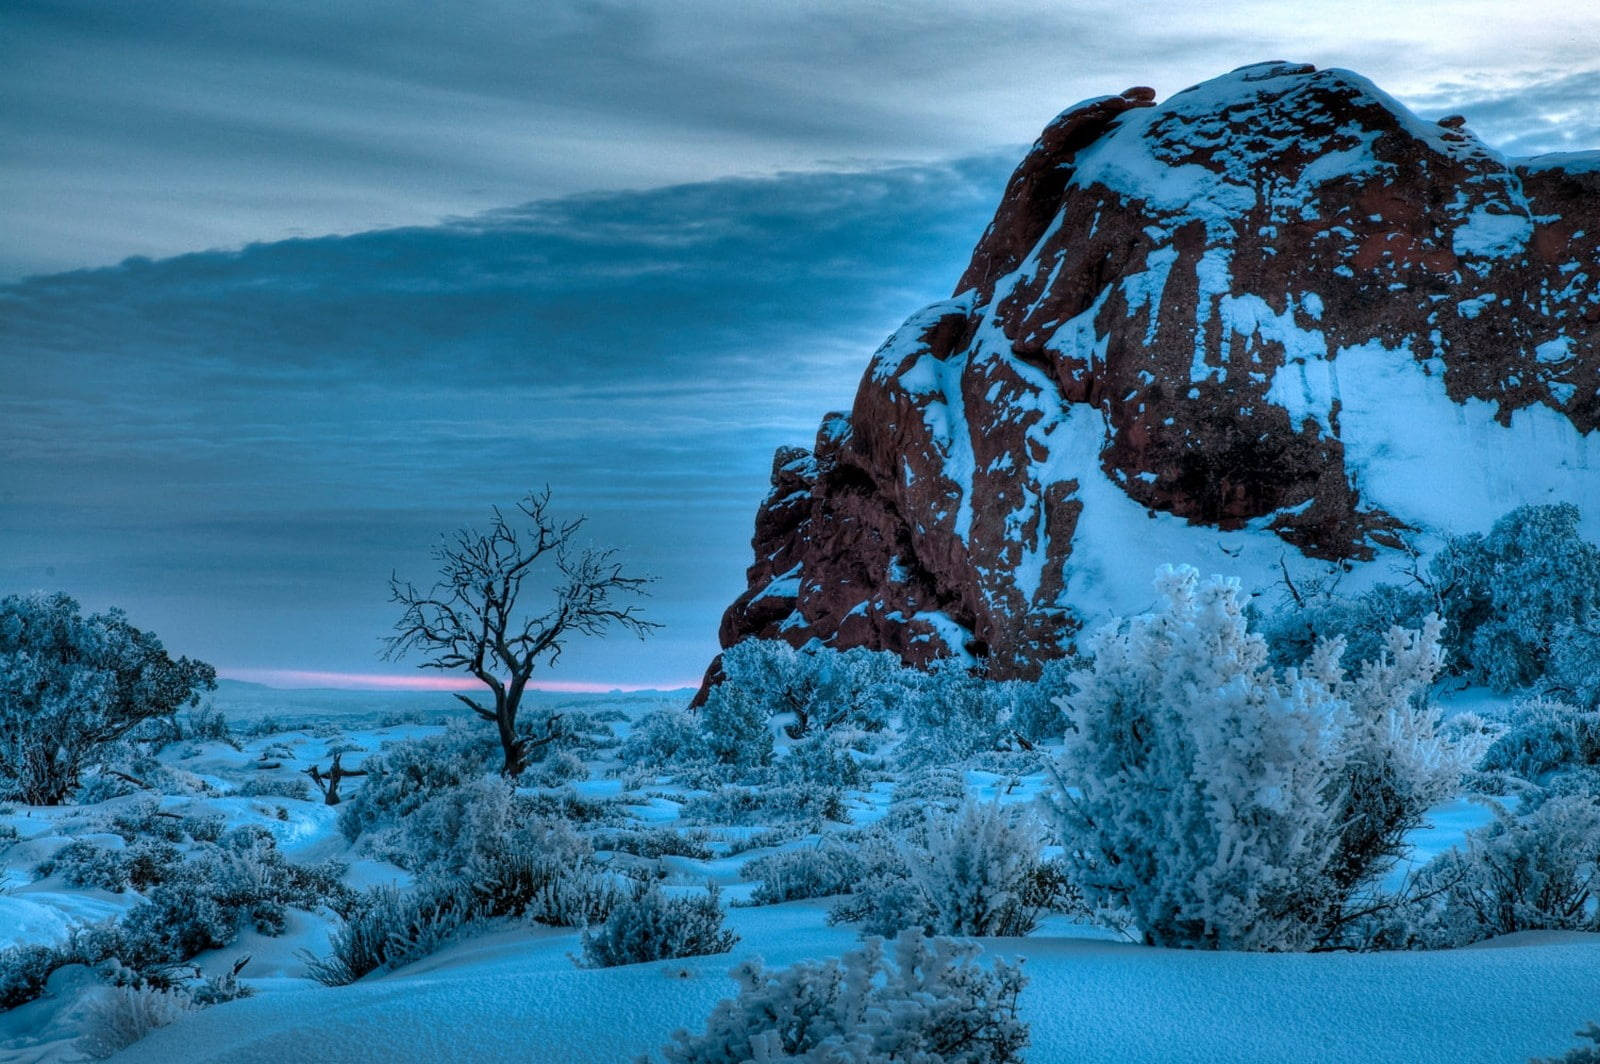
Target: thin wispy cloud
239	447
175	125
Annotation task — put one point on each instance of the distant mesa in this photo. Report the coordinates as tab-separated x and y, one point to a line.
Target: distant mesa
1275	319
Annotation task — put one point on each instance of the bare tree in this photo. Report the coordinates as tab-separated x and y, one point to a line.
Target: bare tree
473	619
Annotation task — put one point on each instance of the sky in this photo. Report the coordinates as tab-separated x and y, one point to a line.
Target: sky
287	289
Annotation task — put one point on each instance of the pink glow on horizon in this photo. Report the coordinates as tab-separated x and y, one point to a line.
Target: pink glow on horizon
370	681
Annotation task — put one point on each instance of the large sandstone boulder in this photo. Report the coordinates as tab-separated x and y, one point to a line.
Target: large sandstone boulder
1276	320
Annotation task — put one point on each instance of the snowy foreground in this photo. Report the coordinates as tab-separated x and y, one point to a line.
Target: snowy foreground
515	993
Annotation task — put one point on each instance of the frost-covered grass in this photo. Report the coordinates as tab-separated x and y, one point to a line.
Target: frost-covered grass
511	984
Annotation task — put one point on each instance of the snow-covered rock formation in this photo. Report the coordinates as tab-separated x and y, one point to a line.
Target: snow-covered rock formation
1276	316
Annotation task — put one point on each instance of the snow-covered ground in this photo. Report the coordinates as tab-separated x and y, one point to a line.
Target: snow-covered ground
516	993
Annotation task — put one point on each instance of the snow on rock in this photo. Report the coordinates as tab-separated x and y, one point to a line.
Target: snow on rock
1274	315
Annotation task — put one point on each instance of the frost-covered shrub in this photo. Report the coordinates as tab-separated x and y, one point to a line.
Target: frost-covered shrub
813	687
1219	805
119	1016
562	767
736	721
71	686
823	758
1574	669
83	864
1544	736
651	926
977	871
23	971
928	1003
203	903
1363	622
404	776
670	736
653	843
1589	1054
766	804
954	713
391	928
295	787
1538	871
818	871
1508	594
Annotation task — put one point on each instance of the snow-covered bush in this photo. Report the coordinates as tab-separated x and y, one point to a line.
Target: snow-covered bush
955	713
823	758
404	776
736	721
653	843
564	766
204	902
1315	615
119	1016
812	872
71	686
669	736
1589	1054
1537	871
927	1003
651	926
1574	669
1508	594
813	687
1545	735
24	969
391	928
766	804
1219	805
977	871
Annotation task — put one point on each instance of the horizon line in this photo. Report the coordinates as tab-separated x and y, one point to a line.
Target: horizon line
310	679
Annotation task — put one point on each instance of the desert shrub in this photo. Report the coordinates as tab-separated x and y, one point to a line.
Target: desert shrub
666	737
1537	871
143	820
818	871
562	767
955	713
203	903
71	686
977	871
652	843
1506	595
1219	805
392	928
570	731
1363	621
119	1016
209	723
1589	1054
1544	736
452	826
929	1002
822	758
766	804
83	864
402	777
1574	668
736	721
23	971
296	787
813	687
651	926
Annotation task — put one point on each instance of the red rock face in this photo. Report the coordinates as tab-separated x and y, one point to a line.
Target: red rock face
1183	279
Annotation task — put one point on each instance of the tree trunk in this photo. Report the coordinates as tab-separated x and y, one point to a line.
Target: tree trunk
505	719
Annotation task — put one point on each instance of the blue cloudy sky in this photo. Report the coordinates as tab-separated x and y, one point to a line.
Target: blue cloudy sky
399	261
